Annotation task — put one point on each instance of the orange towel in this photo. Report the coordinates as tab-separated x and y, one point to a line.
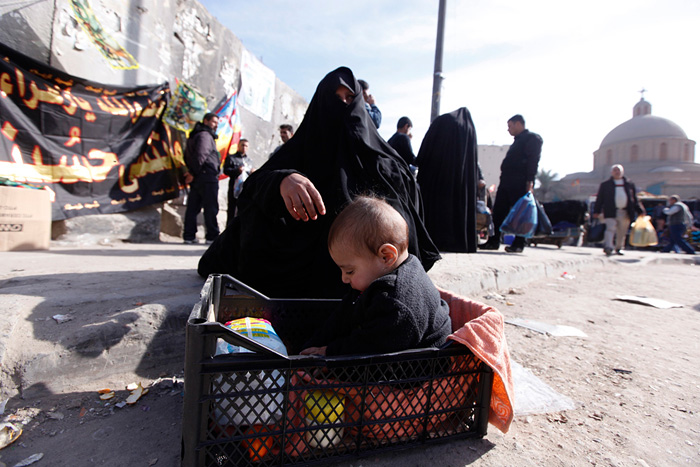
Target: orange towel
480	327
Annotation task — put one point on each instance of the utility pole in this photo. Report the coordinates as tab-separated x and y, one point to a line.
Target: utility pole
437	73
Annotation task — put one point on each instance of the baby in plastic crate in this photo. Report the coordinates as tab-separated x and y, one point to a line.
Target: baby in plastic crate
393	305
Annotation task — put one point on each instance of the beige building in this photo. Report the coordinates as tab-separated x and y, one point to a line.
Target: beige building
490	158
657	155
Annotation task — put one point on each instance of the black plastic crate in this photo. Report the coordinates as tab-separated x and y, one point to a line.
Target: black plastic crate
262	408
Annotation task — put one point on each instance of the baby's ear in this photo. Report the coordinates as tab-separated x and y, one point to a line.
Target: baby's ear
389	253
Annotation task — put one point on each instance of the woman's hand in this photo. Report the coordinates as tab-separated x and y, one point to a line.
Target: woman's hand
301	197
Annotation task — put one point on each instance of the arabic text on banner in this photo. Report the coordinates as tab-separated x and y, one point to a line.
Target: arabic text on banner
101	149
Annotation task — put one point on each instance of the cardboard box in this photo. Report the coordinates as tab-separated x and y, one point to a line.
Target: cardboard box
25	219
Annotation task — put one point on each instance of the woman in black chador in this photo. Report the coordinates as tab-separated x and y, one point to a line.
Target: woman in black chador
447	175
278	243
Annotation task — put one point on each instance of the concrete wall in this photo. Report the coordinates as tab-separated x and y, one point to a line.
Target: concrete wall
169	39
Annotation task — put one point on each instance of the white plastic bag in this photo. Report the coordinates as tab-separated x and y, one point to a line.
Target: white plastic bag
265	408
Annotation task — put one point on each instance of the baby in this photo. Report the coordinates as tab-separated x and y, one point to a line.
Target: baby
393	305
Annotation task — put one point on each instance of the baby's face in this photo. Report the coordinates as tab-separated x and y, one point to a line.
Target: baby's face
358	269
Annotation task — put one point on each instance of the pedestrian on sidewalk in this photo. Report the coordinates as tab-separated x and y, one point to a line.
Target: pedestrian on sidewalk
617	202
448	180
679	221
370	103
286	133
202	160
401	142
518	171
236	166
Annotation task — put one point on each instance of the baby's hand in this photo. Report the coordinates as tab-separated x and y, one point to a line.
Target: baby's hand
314	351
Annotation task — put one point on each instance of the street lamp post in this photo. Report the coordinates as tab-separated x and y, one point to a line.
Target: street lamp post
437	73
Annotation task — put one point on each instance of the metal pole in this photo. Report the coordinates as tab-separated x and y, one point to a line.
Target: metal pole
437	73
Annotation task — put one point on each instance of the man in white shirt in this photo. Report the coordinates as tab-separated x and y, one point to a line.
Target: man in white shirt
617	202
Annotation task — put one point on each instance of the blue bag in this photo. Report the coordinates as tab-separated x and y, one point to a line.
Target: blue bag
522	218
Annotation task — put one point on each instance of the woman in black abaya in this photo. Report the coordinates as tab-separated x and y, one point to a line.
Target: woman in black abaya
447	175
278	244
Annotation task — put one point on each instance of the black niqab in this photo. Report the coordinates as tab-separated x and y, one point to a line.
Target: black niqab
338	148
447	175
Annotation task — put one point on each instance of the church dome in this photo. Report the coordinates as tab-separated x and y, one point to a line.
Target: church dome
643	125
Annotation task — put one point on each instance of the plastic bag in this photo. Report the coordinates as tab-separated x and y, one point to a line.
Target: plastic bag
240	180
544	225
265	408
643	232
522	218
596	232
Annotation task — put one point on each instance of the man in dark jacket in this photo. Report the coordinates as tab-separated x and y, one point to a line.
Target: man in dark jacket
234	167
202	160
617	201
518	171
401	141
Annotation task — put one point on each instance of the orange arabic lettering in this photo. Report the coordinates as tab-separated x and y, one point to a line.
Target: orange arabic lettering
74	137
20	82
73	107
83	104
5	85
46	76
68	84
50	96
9	131
129	186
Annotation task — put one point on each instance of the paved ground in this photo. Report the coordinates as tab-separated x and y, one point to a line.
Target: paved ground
81	318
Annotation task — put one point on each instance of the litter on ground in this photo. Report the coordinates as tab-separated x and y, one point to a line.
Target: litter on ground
556	330
655	302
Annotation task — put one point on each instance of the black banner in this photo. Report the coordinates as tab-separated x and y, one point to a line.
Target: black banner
99	148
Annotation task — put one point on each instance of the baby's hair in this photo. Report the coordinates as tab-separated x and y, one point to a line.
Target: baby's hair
367	223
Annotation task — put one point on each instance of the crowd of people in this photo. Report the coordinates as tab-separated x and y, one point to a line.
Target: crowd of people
279	215
617	205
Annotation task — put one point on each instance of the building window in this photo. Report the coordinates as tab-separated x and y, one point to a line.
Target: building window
634	153
664	152
608	157
686	152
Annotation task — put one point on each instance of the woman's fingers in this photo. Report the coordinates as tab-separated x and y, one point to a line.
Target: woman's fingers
301	198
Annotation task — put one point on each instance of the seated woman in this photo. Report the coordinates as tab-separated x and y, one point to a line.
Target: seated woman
278	243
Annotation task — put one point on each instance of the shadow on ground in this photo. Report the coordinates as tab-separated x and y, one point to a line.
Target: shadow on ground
90	325
77	428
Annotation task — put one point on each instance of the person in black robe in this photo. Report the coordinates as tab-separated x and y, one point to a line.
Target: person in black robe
448	178
278	242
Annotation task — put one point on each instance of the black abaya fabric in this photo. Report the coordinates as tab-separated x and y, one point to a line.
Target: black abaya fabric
338	148
447	175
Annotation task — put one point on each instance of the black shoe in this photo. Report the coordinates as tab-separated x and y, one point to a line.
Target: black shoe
489	246
514	249
608	252
619	253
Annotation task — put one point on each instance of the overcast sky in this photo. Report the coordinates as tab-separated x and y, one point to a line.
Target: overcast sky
573	70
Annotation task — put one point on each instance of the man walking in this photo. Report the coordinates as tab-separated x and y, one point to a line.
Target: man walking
518	171
370	104
235	166
617	201
202	160
401	141
679	220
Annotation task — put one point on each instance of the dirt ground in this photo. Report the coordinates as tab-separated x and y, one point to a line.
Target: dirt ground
635	380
